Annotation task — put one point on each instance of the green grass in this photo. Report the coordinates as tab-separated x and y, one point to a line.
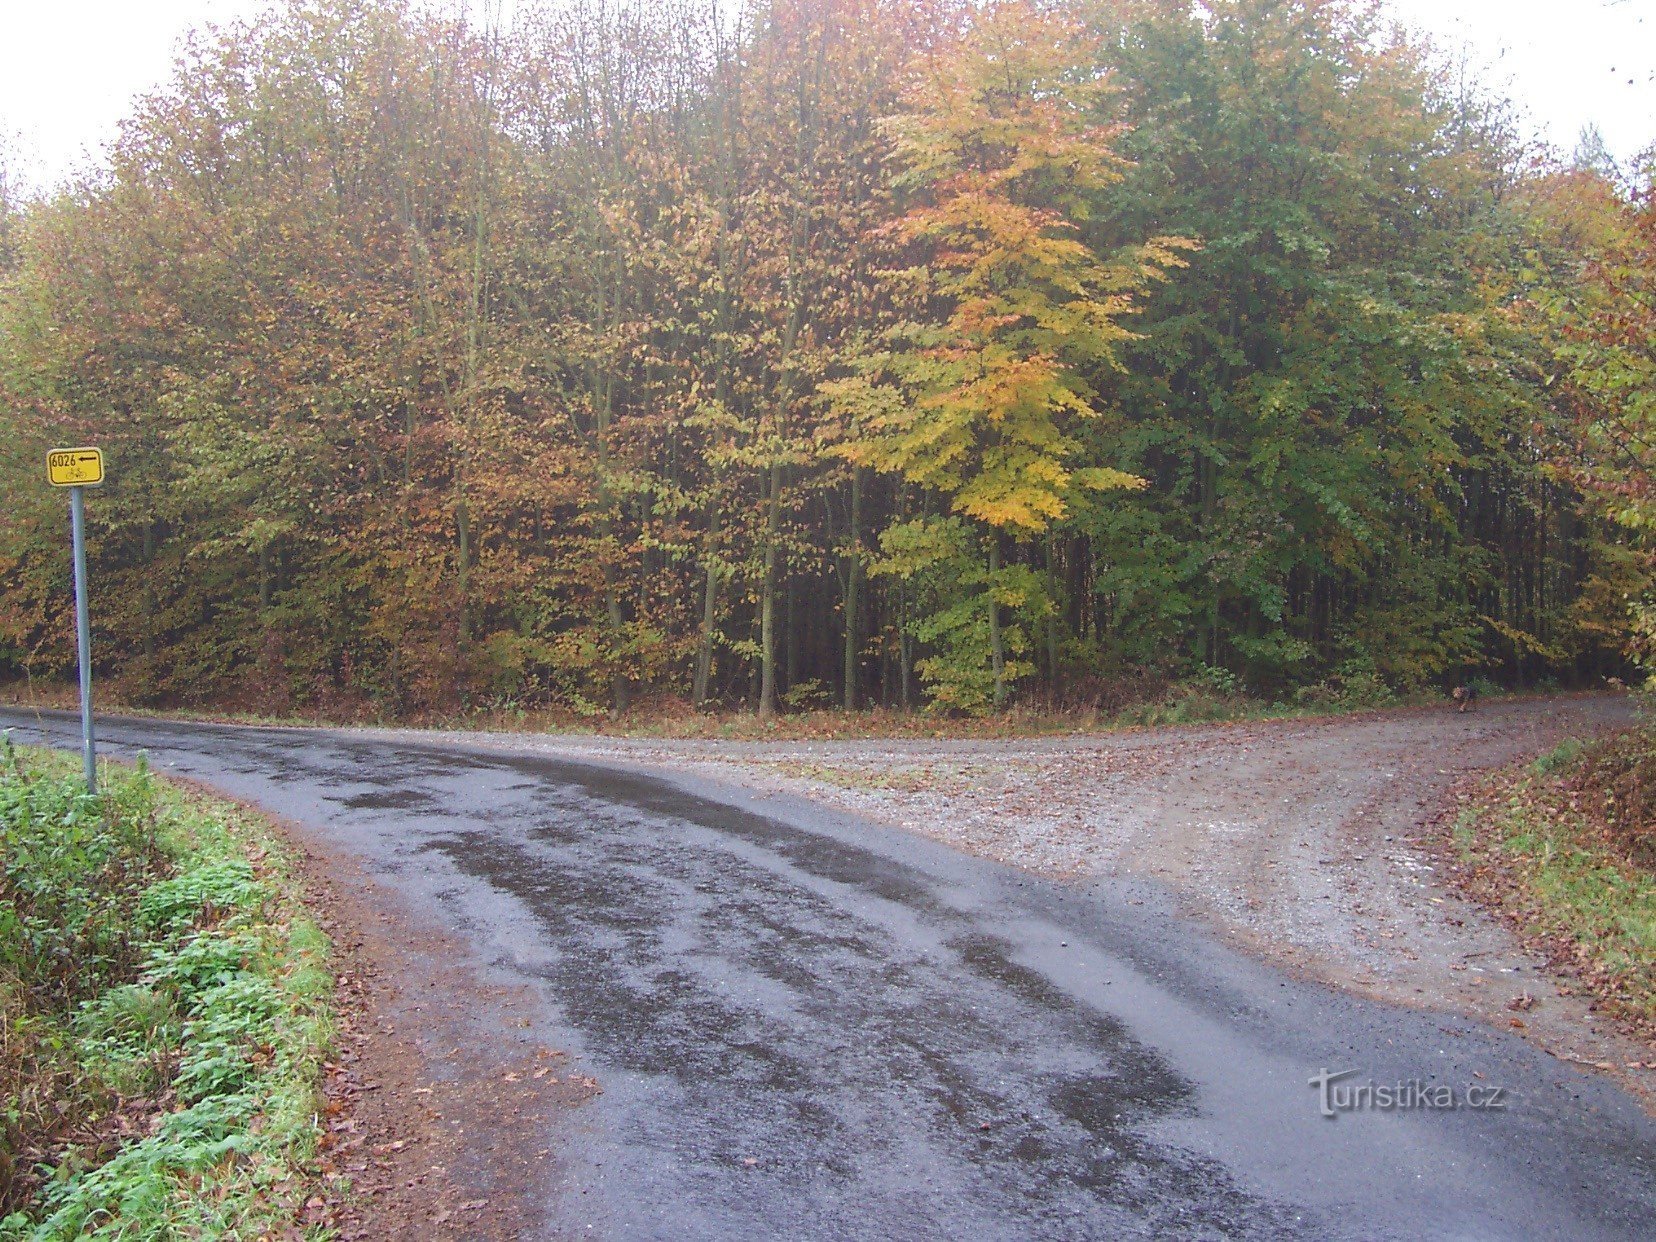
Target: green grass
1537	845
167	1011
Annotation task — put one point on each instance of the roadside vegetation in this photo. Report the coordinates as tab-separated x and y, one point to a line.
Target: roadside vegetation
1087	705
166	1012
1565	850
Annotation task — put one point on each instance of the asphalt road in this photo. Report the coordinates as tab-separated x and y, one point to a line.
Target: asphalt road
807	1026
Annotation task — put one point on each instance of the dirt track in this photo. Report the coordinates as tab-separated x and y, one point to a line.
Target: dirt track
1311	842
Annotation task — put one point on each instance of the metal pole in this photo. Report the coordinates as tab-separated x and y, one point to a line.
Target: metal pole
83	627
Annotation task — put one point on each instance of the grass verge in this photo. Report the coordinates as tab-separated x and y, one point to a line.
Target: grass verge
165	1012
1565	850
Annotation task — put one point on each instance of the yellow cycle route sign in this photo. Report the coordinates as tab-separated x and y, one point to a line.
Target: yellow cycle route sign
75	467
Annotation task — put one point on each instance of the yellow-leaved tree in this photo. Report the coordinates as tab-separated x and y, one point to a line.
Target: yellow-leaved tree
1004	317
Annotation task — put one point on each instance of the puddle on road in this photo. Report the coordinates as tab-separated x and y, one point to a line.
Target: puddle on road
387	800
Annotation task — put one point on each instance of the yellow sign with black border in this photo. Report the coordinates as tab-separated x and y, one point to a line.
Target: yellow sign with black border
75	467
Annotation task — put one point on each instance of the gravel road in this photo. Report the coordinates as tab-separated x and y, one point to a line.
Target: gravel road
798	1022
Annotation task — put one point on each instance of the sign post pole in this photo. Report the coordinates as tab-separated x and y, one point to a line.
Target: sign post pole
83	628
77	469
83	633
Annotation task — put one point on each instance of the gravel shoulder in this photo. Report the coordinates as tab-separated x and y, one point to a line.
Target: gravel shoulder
1312	843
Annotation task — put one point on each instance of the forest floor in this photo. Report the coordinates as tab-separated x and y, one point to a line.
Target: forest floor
667	718
1321	845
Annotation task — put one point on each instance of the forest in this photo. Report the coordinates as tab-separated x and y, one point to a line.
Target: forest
903	353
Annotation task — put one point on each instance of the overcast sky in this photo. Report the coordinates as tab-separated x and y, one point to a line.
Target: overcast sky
69	69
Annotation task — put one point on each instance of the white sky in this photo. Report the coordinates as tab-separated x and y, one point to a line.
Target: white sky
70	69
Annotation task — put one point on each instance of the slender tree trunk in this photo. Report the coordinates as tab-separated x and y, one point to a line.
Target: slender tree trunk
853	580
701	687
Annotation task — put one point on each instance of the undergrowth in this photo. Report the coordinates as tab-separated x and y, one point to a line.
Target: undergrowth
166	1011
1085	705
1565	848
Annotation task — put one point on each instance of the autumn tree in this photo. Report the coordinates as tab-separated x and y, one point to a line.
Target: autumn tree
1596	298
975	394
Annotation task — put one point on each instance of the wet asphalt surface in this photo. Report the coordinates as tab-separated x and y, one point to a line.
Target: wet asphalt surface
807	1026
